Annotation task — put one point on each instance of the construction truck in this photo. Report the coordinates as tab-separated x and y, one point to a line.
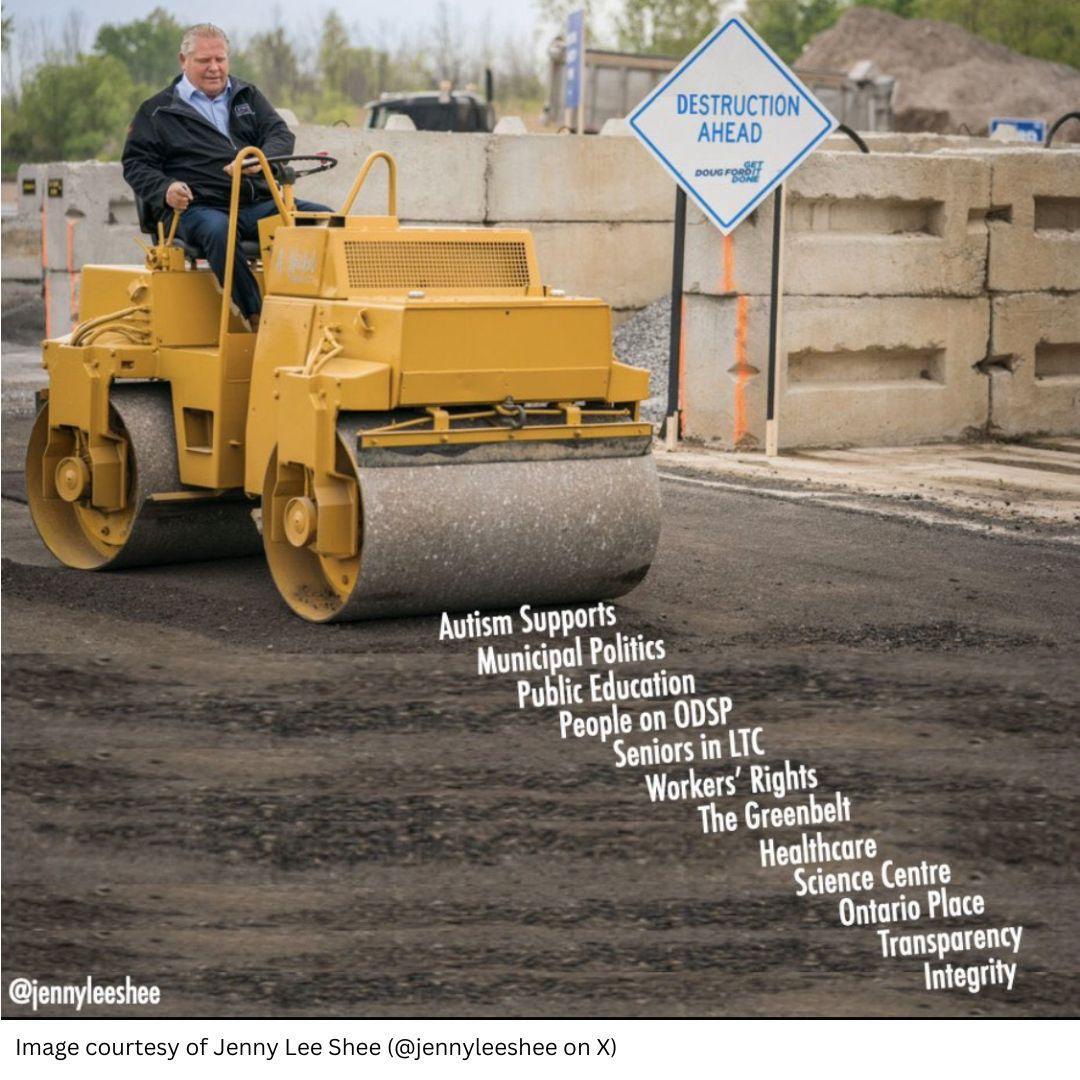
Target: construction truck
419	423
616	82
434	111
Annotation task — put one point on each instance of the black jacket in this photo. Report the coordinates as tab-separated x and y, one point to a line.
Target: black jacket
169	140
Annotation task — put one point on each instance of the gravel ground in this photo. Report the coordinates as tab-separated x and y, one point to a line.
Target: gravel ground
643	341
266	817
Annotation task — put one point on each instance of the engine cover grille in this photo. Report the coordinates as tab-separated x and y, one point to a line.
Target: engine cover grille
436	264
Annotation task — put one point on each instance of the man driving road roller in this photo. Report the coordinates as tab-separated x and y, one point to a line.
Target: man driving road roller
181	145
427	425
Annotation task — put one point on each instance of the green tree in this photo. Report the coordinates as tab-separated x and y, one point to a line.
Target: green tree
1049	29
270	60
71	111
552	14
666	27
348	72
787	25
147	48
906	9
446	50
516	78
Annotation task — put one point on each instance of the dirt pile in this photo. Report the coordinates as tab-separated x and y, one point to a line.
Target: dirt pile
946	78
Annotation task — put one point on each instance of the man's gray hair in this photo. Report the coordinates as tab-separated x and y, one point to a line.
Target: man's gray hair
201	30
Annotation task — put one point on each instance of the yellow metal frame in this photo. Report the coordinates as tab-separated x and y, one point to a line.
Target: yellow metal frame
362	175
514	424
234	213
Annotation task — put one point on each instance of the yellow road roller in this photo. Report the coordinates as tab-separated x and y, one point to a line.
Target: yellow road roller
427	426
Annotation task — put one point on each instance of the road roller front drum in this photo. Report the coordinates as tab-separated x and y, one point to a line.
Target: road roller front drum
454	535
314	585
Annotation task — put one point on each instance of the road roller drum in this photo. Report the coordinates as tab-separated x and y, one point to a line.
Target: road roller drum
420	424
160	522
451	532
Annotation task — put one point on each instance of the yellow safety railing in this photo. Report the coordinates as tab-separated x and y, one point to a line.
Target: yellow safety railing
234	210
362	175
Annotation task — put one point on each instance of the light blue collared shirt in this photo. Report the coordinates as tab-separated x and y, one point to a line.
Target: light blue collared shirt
216	110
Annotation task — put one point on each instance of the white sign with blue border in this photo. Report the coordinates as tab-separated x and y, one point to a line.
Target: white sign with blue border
1022	130
730	123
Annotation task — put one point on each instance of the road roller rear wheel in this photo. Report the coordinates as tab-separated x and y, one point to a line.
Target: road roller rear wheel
147	530
77	533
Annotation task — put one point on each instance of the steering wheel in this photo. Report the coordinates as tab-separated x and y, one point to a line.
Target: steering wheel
323	163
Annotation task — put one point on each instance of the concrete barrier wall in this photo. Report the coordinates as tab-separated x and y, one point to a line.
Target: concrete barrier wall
441	177
22	233
926	296
1034	363
1035	230
866	224
932	287
600	208
869	371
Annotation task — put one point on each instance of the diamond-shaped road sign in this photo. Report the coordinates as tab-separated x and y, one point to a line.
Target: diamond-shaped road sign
730	122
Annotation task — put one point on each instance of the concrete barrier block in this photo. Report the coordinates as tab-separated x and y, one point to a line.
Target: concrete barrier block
576	178
84	200
61	299
715	264
626	264
888	371
31	196
1035	229
907	142
22	250
870	224
724	345
105	244
441	175
1034	364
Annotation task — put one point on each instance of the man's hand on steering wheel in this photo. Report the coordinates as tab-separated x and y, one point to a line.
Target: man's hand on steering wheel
277	163
323	162
249	170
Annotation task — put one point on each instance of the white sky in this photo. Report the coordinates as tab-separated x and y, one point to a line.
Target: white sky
373	21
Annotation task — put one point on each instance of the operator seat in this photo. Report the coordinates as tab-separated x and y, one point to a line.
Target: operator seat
148	224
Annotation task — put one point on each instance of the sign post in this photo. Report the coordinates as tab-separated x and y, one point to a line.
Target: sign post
674	383
772	424
729	124
574	95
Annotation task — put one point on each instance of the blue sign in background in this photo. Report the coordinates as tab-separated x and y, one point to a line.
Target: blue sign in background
575	58
1031	130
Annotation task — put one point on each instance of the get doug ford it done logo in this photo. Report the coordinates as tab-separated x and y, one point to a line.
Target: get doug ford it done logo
747	173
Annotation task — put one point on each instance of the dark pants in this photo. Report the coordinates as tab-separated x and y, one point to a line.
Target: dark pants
207	227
